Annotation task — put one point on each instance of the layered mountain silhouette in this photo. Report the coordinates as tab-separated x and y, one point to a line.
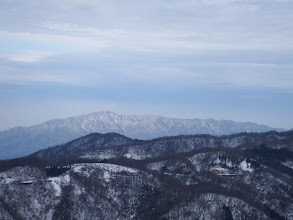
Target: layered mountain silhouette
21	141
113	145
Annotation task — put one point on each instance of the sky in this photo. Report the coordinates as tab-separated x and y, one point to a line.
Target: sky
221	59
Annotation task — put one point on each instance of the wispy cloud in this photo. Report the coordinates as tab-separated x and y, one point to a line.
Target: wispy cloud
112	70
164	39
158	26
162	50
30	56
72	43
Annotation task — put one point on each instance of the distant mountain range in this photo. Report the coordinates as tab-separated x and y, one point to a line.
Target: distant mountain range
21	141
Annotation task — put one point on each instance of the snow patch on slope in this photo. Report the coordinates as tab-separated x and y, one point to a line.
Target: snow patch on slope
221	170
196	160
108	169
116	168
156	165
288	164
57	182
107	176
246	166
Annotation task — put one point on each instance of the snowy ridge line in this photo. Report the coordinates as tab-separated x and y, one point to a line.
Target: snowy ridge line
26	140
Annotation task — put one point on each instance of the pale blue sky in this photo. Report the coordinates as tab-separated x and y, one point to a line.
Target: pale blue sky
222	59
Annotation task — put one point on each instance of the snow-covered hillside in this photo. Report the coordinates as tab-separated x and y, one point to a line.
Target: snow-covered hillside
241	176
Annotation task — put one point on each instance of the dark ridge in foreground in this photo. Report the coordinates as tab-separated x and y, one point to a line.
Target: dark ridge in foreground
104	146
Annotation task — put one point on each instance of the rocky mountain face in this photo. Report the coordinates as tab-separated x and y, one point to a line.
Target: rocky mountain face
110	176
22	141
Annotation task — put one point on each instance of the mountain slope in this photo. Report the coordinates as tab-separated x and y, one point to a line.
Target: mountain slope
241	176
112	145
21	141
